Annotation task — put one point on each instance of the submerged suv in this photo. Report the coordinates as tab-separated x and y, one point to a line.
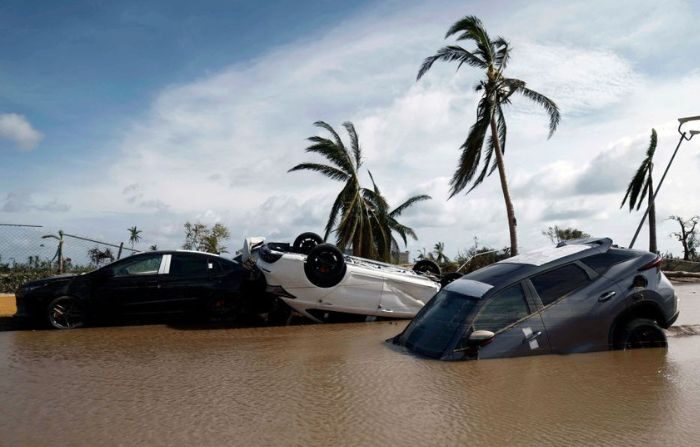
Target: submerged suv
583	295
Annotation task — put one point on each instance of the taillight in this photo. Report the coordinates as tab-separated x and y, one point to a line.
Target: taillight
655	263
268	255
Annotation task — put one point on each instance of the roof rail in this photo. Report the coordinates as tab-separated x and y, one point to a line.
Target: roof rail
604	242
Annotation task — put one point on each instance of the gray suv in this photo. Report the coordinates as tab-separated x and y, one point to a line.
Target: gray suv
583	295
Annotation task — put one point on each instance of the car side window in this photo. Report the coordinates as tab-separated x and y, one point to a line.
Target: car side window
552	285
189	266
603	261
504	309
226	266
145	265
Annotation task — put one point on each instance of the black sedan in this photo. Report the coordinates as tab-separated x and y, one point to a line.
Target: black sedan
584	295
154	283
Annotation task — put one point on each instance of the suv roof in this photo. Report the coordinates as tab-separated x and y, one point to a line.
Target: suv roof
563	250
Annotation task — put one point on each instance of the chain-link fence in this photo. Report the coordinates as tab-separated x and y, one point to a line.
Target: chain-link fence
30	252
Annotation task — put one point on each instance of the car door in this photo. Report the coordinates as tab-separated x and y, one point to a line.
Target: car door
130	286
359	292
187	283
517	324
576	307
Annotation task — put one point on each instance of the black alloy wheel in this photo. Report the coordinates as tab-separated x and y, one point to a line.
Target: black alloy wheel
641	333
305	242
325	265
66	312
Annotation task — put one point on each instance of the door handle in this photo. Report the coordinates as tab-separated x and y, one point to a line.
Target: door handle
606	296
533	336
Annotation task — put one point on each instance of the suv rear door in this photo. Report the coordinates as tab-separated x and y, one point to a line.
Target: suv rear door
577	307
188	282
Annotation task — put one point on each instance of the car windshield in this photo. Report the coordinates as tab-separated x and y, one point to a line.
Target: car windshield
431	332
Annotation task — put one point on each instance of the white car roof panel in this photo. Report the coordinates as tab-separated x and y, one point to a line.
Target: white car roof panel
545	255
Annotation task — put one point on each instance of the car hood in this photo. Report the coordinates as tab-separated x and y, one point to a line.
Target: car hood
50	280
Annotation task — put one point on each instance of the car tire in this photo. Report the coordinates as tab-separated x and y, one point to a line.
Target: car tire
325	265
427	266
65	312
305	242
449	277
641	333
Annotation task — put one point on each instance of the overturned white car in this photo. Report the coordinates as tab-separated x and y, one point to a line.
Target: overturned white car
320	282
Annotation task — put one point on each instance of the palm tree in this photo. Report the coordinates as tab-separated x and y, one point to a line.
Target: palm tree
134	235
349	209
384	221
643	182
492	57
439	250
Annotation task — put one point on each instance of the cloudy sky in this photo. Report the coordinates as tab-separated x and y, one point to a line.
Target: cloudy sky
154	113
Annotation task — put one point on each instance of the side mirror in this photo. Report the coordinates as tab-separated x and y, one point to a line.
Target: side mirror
481	338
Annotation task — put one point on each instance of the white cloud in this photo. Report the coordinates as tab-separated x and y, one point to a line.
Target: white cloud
20	201
16	128
218	148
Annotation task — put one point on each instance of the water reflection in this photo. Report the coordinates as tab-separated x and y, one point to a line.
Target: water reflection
333	384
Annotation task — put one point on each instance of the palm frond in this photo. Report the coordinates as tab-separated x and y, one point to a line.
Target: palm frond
471	28
635	187
641	182
471	149
354	143
490	147
502	54
403	231
333	215
332	152
330	130
549	106
652	145
408	203
644	192
451	53
328	171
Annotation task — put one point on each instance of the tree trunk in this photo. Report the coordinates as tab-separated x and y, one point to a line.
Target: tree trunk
512	223
652	217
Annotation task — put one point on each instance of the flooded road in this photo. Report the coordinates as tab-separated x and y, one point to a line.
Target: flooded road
335	385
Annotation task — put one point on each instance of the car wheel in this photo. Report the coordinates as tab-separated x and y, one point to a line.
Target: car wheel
221	307
427	266
325	265
305	242
449	277
641	333
66	312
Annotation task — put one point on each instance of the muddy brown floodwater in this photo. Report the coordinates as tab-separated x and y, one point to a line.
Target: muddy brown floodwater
335	385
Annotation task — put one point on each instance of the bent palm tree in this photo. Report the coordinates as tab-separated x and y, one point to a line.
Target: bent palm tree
349	209
385	223
643	182
59	250
491	56
440	256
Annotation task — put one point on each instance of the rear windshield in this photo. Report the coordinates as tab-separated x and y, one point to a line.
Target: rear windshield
431	332
495	274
